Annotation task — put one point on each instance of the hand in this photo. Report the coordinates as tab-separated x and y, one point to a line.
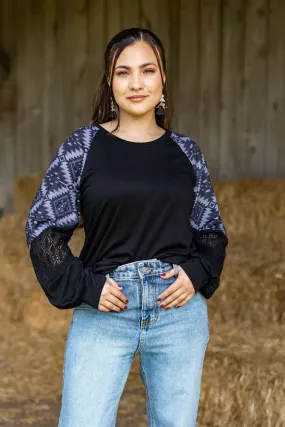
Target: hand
111	297
180	291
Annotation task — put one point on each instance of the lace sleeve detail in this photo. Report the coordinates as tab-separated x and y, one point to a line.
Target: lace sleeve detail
49	253
52	219
61	275
211	246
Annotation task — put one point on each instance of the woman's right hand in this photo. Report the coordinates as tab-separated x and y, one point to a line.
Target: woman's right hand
112	299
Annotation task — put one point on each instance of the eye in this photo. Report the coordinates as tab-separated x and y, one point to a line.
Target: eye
149	70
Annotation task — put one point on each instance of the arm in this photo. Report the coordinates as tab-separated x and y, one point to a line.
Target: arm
209	234
52	219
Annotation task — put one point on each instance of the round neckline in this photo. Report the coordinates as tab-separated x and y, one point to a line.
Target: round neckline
135	143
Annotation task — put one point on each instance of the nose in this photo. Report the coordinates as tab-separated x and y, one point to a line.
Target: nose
136	81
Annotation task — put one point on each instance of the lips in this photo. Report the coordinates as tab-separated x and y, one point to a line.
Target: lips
137	97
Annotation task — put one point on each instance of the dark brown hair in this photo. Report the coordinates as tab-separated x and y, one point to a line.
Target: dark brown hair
102	98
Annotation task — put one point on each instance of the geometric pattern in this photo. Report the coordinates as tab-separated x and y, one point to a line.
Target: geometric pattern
205	214
56	203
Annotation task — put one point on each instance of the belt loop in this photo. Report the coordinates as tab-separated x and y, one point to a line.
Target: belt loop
140	264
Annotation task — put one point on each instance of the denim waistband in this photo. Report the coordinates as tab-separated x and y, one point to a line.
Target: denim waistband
142	268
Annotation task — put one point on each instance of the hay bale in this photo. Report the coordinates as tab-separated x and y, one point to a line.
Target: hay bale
243	377
31	365
253	206
16	264
252	284
13	221
38	314
24	191
6	298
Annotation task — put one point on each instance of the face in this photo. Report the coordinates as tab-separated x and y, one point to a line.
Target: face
137	73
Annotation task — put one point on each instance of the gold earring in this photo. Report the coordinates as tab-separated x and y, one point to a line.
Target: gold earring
161	108
112	113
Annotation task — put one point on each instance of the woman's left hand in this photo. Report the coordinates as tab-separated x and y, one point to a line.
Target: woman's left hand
179	292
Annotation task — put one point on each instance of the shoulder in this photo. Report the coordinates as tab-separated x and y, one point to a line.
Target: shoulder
78	140
189	146
69	160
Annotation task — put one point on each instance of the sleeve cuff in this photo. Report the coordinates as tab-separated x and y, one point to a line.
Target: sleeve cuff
196	272
93	289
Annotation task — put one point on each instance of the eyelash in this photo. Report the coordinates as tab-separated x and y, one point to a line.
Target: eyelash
124	72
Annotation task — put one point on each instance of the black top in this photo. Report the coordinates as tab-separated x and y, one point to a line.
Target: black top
137	202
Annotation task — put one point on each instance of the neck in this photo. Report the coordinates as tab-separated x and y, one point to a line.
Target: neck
130	124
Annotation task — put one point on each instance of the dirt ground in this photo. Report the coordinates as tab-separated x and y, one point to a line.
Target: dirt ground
30	381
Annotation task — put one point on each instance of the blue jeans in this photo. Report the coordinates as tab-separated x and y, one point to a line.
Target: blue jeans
101	345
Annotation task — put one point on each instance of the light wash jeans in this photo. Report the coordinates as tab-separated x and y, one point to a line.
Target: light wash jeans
101	345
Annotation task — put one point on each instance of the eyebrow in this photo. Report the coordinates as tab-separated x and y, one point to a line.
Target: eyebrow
141	66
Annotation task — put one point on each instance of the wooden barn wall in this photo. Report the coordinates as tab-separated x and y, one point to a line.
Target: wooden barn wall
226	63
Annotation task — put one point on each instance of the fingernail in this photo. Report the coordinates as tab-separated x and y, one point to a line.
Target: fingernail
158	299
167	308
163	274
178	306
125	308
127	300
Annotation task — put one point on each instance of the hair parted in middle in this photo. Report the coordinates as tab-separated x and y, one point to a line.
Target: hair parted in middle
104	93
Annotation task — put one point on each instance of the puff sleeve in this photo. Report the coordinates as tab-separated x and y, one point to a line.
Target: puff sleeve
208	249
52	219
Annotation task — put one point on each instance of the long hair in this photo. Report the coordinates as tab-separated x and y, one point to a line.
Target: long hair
104	93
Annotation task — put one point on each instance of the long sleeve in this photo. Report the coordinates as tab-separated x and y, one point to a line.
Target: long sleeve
52	219
208	250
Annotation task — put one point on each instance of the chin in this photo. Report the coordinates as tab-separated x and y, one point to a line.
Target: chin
138	111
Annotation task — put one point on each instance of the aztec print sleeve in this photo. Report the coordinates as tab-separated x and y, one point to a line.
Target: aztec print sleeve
209	234
52	219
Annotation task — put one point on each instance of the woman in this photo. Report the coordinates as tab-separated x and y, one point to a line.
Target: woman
155	241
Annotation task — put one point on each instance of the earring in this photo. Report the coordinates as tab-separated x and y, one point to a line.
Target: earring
161	108
112	113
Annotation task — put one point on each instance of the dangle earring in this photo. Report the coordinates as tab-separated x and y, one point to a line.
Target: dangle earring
162	108
112	113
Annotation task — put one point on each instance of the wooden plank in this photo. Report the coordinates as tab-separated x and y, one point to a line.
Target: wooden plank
79	63
255	108
64	52
21	59
275	145
113	18
51	87
33	96
95	50
130	14
8	100
231	141
187	71
172	48
210	48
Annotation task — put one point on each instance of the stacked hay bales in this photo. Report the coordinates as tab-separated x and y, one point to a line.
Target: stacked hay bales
244	380
254	214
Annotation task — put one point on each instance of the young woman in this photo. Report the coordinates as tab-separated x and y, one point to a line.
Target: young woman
153	252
